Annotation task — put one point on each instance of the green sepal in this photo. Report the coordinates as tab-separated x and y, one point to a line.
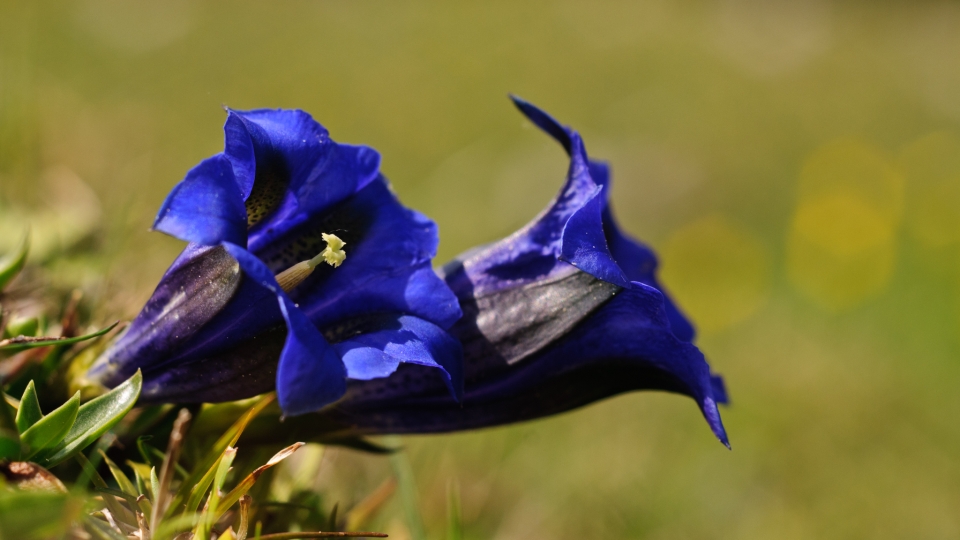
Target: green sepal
29	412
51	429
12	263
94	418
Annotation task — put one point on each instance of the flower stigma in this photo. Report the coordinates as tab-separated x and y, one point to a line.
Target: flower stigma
333	255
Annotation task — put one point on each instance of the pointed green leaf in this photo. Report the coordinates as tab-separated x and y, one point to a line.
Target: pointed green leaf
94	418
12	263
22	343
50	430
29	412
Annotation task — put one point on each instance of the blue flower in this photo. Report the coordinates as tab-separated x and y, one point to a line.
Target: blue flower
563	312
252	305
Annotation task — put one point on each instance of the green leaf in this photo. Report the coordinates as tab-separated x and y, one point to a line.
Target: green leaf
94	418
50	430
12	263
22	343
29	412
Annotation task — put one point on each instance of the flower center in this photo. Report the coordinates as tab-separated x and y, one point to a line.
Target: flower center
333	255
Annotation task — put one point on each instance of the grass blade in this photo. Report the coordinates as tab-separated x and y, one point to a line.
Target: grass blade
22	343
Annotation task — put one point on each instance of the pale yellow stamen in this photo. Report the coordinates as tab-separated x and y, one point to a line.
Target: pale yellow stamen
333	255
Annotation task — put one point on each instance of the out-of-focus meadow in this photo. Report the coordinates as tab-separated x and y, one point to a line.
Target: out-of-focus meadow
796	164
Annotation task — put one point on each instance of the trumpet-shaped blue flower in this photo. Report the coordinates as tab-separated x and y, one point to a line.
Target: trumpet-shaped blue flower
563	312
250	305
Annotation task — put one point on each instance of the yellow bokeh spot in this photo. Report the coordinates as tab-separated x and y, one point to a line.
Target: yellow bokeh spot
932	169
851	166
841	246
718	272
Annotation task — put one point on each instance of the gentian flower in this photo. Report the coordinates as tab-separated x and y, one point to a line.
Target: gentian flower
563	312
303	270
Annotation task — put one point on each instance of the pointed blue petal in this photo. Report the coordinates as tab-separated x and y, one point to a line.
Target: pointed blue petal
206	207
545	122
390	341
310	373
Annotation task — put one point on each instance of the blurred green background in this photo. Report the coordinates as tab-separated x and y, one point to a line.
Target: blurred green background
796	164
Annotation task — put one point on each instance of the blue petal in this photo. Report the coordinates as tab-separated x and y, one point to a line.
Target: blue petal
288	167
380	349
388	266
310	373
206	207
254	138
